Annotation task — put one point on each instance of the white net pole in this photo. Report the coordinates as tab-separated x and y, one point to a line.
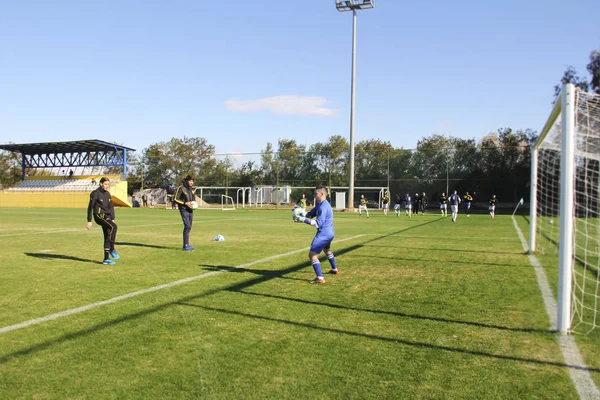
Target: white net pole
533	200
565	252
565	181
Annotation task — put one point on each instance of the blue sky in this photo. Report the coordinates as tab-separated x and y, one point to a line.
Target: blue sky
243	73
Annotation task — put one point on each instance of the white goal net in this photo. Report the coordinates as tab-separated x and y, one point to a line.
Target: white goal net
565	180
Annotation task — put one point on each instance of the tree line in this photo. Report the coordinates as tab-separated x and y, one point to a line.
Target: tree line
499	163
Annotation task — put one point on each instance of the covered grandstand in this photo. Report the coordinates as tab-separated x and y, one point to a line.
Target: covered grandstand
44	182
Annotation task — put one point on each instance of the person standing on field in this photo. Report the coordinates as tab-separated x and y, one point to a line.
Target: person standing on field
325	233
493	200
303	202
408	205
397	204
423	204
385	200
102	210
468	199
363	206
454	200
444	204
184	195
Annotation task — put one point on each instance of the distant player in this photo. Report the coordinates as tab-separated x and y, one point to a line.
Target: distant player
423	203
302	202
444	205
416	201
325	233
363	206
385	200
408	205
493	200
454	201
468	199
397	204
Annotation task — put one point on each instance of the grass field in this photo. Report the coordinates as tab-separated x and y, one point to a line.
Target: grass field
423	309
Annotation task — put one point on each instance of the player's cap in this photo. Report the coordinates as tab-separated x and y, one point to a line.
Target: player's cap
188	178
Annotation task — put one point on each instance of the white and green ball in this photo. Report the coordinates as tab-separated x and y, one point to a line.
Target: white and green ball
298	212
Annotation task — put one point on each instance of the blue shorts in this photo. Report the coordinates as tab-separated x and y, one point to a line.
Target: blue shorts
320	243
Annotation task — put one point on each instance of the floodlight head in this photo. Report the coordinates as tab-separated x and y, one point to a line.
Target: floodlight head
351	5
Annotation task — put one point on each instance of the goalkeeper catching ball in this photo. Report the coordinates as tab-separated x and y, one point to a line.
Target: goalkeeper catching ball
325	233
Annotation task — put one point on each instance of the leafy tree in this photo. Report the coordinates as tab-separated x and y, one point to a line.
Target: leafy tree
594	69
10	168
570	76
431	159
269	165
372	161
247	175
290	160
330	160
166	163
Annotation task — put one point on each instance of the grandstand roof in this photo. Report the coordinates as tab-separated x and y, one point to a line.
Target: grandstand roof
77	146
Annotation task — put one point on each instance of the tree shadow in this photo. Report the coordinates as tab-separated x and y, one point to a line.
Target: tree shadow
48	256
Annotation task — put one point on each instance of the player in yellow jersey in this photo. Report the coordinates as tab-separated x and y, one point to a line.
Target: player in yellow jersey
363	206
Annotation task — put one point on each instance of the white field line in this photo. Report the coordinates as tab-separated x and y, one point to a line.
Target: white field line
438	237
120	227
580	376
83	229
77	310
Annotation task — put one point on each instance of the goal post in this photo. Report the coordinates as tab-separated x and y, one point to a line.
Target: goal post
227	203
565	180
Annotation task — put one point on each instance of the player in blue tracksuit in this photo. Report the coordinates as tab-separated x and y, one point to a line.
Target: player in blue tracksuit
325	233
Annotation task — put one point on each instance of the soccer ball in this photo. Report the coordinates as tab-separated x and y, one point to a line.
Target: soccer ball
194	204
219	238
551	221
298	212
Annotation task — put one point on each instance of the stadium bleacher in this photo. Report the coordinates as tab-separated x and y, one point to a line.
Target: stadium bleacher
65	185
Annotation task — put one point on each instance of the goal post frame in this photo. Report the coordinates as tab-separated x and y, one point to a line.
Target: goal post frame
565	107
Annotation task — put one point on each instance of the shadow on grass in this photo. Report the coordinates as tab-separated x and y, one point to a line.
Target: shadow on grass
438	261
592	269
240	287
421	345
152	246
400	314
48	256
266	272
455	250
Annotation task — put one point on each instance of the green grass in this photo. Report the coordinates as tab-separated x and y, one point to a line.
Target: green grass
423	309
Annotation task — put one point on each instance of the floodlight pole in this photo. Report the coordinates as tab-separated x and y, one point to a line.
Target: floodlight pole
352	113
352	5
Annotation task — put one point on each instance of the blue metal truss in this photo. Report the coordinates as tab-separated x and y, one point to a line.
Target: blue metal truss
82	153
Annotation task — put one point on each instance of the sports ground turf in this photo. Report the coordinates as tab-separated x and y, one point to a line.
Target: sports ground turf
423	309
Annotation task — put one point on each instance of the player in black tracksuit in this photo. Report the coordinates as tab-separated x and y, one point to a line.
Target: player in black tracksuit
184	195
101	208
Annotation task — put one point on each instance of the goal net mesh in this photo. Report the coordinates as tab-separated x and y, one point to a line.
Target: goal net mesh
585	290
